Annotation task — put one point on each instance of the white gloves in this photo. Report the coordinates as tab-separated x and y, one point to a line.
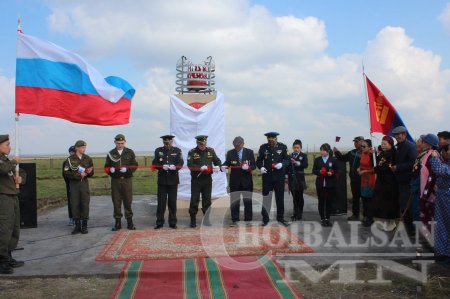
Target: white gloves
165	167
172	167
297	163
216	168
279	166
123	169
224	168
204	168
263	170
112	170
245	167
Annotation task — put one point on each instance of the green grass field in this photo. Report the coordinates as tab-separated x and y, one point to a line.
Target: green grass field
51	187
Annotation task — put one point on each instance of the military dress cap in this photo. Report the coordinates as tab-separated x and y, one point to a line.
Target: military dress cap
4	138
167	137
80	143
430	139
201	137
358	138
398	130
271	134
119	137
72	149
238	140
444	134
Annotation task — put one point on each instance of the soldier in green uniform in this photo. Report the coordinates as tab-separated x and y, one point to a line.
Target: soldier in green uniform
168	159
120	165
9	208
80	167
200	161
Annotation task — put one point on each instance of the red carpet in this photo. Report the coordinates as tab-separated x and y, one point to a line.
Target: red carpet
128	245
239	277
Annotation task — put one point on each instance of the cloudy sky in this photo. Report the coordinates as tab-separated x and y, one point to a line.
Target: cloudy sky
290	66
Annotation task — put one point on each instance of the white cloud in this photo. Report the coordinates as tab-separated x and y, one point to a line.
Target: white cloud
444	18
274	71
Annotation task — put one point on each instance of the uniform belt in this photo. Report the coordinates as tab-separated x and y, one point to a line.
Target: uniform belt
121	177
10	195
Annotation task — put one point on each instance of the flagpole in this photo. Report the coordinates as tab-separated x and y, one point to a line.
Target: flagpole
17	152
368	111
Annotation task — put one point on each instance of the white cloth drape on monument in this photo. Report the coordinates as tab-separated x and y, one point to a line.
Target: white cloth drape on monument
186	122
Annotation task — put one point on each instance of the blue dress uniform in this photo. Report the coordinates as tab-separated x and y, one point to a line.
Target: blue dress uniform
269	155
201	181
168	159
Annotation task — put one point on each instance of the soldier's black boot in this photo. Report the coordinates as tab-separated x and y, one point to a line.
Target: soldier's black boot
118	225
13	262
130	224
77	227
84	229
5	267
193	222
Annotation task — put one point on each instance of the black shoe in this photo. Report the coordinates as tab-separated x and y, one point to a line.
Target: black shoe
264	223
325	223
158	226
5	267
77	228
15	263
130	224
117	225
293	218
84	229
233	224
353	218
193	223
328	223
284	222
173	226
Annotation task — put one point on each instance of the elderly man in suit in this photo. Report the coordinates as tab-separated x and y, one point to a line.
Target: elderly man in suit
241	162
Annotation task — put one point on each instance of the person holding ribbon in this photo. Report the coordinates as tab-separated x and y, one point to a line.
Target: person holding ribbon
168	159
120	165
200	162
325	168
241	162
273	158
80	169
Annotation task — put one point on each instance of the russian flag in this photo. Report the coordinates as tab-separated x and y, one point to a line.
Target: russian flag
52	81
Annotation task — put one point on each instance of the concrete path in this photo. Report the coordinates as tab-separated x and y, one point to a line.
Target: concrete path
51	250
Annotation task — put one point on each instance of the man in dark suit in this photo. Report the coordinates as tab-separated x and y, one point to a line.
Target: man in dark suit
272	160
241	161
403	168
168	159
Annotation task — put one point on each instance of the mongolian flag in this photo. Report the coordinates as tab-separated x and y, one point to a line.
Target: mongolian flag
383	116
52	81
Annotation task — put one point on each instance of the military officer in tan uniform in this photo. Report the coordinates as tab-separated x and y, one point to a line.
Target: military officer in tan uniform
169	160
9	208
120	165
200	161
80	168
